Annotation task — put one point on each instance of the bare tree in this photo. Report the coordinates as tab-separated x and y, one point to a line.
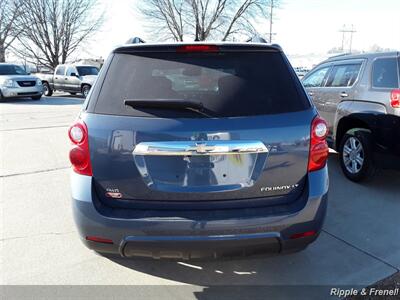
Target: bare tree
169	13
205	19
52	30
9	13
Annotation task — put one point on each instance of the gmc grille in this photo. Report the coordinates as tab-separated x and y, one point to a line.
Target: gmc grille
26	83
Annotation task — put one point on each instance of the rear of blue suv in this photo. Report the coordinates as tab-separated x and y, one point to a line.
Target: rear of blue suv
198	150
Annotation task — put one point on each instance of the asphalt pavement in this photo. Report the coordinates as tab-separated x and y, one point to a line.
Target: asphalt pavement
359	245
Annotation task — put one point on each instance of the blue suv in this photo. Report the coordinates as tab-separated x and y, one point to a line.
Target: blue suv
198	150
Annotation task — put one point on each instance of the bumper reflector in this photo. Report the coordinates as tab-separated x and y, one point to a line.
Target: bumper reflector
99	240
303	234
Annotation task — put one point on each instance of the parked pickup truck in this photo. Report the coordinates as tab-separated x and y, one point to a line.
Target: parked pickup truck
69	78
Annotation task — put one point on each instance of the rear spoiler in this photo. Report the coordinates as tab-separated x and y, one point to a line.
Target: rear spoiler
216	47
256	43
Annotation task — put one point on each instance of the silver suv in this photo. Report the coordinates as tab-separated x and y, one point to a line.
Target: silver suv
359	97
15	82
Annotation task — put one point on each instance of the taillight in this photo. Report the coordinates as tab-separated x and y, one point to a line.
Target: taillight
395	98
197	48
79	154
319	149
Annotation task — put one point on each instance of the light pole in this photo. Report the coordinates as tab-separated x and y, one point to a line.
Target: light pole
270	20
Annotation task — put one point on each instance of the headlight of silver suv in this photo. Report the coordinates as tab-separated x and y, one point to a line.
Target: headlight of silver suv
8	83
38	82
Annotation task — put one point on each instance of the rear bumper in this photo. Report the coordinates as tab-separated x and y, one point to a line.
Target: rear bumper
200	234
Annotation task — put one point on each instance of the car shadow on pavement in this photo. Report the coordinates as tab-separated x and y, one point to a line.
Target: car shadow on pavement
198	272
238	278
58	100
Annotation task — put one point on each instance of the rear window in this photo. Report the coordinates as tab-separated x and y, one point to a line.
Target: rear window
385	73
229	84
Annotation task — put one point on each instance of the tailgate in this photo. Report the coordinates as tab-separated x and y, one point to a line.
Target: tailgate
198	160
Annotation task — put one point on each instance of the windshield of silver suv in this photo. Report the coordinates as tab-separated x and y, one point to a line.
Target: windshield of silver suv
11	70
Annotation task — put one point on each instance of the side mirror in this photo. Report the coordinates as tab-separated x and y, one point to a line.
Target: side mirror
74	74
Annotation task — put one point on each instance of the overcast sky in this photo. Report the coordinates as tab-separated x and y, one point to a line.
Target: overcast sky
301	26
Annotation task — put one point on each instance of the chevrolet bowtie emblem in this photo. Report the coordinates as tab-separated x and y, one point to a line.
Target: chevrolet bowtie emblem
202	148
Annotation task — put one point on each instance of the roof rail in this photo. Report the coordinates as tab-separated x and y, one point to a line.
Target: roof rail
135	40
340	55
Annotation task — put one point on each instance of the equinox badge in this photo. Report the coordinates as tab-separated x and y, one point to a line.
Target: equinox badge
279	188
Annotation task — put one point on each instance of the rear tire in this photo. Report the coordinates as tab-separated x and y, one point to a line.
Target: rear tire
47	90
85	90
356	156
37	97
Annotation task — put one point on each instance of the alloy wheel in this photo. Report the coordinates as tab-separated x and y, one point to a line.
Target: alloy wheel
353	155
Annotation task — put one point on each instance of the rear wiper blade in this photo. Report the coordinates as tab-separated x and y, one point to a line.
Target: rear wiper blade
173	104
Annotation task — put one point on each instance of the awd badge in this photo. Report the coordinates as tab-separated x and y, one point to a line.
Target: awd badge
113	193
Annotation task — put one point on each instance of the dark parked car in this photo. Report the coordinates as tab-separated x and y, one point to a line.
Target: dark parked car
197	150
359	97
